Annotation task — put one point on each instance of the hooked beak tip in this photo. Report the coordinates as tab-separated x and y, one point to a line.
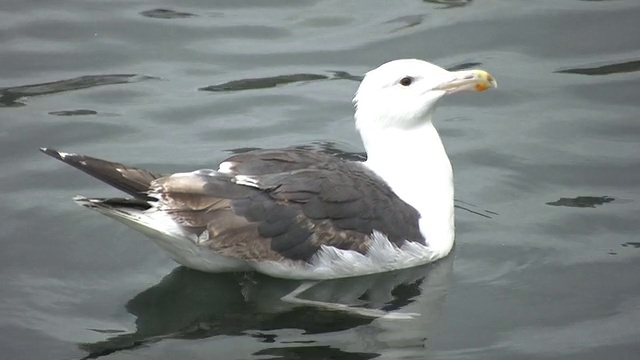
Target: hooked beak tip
478	80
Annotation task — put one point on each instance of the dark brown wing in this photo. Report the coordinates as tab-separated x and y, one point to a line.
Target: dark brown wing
290	203
132	181
263	162
297	201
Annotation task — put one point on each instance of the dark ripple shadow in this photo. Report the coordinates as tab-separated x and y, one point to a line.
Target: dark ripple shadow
166	14
314	353
287	79
624	67
10	96
263	83
582	201
449	4
77	112
188	304
343	75
632	244
473	209
278	80
406	22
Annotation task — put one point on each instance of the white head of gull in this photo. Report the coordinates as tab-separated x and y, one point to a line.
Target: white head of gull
394	108
301	214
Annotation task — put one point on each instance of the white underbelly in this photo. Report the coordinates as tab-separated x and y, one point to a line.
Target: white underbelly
185	252
179	246
328	263
333	263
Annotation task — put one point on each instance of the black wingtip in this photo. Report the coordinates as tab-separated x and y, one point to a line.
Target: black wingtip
60	155
51	152
133	181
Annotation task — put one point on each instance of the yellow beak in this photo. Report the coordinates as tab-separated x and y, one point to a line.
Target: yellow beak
478	80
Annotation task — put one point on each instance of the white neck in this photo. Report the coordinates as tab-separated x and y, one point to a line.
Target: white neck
415	165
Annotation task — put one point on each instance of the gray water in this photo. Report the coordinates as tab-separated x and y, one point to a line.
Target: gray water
547	173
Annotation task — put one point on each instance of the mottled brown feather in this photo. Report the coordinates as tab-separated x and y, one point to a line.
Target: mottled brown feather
300	201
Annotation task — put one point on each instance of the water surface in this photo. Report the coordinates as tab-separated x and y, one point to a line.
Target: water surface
546	170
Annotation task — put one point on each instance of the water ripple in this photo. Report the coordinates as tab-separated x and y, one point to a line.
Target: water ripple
11	96
582	201
263	83
77	112
623	67
448	4
166	14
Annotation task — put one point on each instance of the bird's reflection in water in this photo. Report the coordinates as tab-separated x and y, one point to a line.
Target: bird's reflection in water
188	304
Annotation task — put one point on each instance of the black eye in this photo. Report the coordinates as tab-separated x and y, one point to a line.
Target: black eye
406	81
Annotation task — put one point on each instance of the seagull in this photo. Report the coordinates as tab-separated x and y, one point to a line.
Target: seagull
300	214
